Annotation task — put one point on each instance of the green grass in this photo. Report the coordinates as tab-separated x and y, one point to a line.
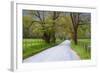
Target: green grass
34	46
83	48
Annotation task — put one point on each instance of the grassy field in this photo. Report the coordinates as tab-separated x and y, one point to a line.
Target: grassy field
83	48
34	46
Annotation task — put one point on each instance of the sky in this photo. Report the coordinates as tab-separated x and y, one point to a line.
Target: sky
84	16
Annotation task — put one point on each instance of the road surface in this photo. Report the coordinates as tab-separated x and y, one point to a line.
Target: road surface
61	52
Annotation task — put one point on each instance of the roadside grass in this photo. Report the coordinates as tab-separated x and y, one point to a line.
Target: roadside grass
83	48
34	46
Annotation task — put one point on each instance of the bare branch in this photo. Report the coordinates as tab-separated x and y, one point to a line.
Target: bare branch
72	18
37	14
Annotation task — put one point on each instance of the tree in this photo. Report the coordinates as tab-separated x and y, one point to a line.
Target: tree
75	23
48	28
26	25
64	29
84	29
55	16
41	17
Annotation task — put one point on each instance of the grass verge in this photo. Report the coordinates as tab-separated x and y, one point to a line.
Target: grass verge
83	48
34	46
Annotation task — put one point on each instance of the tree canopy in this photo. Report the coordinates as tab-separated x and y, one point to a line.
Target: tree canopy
52	25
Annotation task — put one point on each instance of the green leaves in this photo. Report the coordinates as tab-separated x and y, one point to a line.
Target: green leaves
58	24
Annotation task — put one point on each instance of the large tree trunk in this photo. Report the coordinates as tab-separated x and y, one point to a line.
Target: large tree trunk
75	37
46	37
53	37
75	24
